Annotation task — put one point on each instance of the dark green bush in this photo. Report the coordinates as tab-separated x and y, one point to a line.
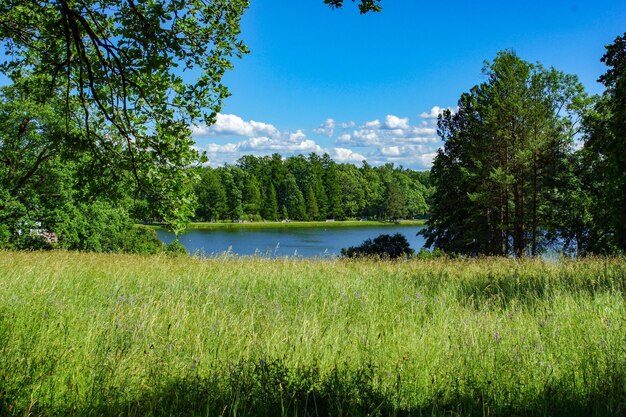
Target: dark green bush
175	248
383	246
141	239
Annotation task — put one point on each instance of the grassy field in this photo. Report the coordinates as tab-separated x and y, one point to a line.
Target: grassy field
86	334
297	224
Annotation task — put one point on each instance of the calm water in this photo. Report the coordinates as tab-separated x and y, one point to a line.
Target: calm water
305	242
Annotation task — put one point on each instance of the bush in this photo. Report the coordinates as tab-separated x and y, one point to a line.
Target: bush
141	239
175	248
383	246
427	254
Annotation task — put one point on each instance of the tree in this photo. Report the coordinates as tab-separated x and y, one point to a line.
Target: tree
293	201
500	176
394	206
48	185
352	197
123	61
606	146
211	195
312	210
234	208
270	207
373	189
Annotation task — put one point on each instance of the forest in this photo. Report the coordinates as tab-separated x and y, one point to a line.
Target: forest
309	188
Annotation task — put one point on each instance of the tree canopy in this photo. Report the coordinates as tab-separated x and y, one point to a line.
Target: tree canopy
137	75
501	178
308	188
605	155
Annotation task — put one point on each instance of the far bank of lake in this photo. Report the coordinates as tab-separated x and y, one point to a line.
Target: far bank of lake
306	239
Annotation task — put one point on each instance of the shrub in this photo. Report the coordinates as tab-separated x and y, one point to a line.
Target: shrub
383	246
175	248
141	239
427	254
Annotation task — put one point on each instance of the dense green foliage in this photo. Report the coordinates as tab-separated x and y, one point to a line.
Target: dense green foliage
50	183
511	179
604	157
506	149
117	65
87	335
313	188
383	246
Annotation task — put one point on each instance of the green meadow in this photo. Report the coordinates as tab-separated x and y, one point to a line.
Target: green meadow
96	334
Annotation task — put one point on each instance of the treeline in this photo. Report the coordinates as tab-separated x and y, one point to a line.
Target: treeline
308	188
530	161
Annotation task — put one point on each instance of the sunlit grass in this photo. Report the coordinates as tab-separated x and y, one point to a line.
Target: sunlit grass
86	334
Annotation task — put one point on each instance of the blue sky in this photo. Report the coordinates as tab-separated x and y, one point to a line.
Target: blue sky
367	86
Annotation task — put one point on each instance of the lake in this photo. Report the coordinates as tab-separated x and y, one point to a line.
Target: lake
272	242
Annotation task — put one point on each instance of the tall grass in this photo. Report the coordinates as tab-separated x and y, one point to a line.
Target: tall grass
86	334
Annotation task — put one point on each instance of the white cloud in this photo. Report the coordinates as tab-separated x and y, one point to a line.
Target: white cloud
415	156
391	151
385	136
232	125
327	128
374	124
345	138
347	155
297	135
213	148
395	122
436	111
364	137
389	139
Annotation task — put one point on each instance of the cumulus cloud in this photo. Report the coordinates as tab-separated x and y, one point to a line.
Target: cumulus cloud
374	124
391	151
287	143
347	155
264	143
435	112
389	139
395	140
232	125
415	156
395	122
327	128
345	138
395	131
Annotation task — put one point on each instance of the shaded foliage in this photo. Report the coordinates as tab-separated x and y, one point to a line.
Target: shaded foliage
605	157
383	246
504	181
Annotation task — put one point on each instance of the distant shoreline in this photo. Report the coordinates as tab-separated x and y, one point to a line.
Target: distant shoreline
301	224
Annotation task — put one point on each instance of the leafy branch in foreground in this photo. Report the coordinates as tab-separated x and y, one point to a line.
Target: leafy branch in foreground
142	73
365	6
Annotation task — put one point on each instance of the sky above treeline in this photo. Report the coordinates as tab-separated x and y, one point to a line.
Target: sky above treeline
370	86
